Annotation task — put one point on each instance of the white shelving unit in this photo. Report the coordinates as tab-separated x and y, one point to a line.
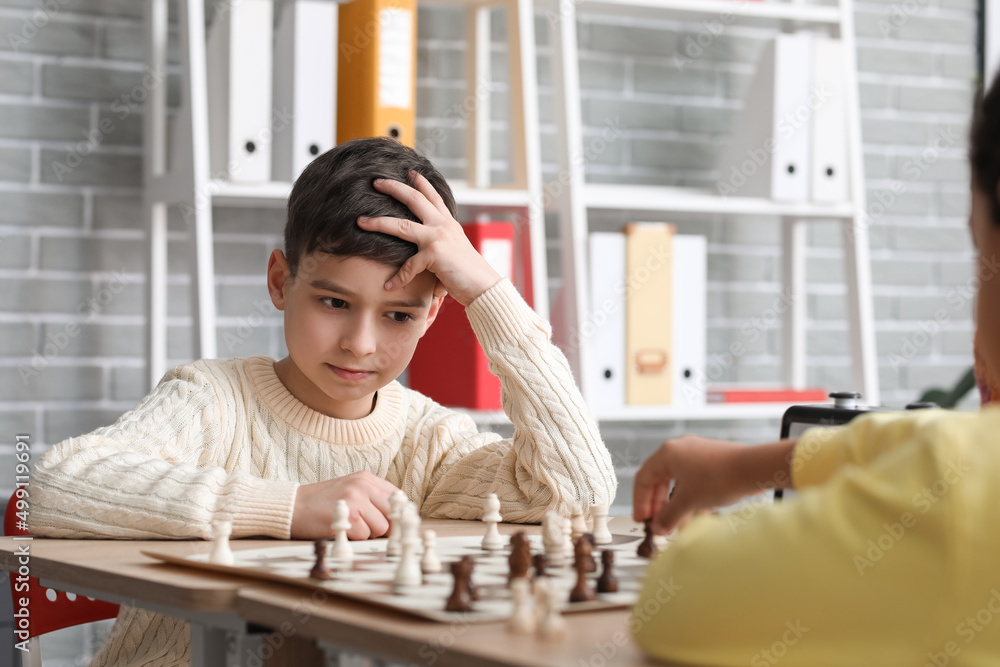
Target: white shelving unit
578	198
176	169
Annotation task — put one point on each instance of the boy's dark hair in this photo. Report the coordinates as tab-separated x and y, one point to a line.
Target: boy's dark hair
336	188
984	145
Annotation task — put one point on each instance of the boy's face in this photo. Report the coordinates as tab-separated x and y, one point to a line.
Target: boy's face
986	237
346	336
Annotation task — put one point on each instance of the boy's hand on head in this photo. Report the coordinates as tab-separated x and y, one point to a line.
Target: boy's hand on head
705	474
367	497
442	247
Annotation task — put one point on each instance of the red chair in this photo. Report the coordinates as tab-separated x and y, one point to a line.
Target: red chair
46	609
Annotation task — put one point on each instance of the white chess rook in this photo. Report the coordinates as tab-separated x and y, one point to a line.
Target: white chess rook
221	553
602	535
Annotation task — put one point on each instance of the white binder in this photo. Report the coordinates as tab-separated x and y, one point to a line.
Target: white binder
690	312
605	324
305	84
770	149
829	137
239	91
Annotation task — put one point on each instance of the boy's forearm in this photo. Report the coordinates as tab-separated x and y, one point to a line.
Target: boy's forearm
764	467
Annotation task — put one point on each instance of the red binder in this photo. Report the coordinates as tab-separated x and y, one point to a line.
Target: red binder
449	365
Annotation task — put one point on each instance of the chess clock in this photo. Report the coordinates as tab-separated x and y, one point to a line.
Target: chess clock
845	407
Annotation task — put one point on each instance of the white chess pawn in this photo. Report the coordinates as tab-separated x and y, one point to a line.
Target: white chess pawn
552	624
567	538
430	564
341	524
602	535
492	540
408	571
579	524
522	618
397	501
221	553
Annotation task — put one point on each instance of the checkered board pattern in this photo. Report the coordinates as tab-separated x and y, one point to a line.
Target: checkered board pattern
369	577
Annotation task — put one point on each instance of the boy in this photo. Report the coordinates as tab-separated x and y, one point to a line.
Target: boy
888	556
274	444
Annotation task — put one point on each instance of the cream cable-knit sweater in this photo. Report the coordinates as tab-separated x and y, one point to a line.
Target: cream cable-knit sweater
227	436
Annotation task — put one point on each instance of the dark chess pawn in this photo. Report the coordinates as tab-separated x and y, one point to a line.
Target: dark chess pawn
583	555
582	591
461	595
540	561
320	570
520	556
647	549
607	582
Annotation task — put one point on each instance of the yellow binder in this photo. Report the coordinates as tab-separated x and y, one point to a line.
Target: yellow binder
648	313
377	70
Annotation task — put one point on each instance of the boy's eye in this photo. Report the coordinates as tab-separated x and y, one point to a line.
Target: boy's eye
333	302
400	318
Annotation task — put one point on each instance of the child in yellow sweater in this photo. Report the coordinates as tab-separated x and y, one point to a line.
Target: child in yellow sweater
371	248
889	556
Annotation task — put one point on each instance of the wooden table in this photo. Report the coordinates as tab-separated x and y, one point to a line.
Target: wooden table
220	608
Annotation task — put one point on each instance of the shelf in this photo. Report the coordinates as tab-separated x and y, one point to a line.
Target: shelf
763	10
709	412
690	200
275	194
644	413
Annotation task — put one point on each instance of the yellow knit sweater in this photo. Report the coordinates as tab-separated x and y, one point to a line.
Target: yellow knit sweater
227	436
888	557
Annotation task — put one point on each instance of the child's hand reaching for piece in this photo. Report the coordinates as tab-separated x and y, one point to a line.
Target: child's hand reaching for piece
706	474
367	497
442	247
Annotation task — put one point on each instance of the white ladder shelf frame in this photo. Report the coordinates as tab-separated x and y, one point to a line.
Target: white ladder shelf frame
578	197
177	169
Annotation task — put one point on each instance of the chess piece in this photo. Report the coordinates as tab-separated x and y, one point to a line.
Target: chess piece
397	501
520	556
553	540
320	570
461	598
429	563
602	535
341	524
567	526
582	592
408	571
591	563
552	625
607	582
540	562
492	540
221	553
578	525
647	548
522	619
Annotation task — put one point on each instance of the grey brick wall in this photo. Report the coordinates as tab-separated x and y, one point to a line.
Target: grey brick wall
71	244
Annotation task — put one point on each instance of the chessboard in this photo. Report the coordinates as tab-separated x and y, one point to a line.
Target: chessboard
369	576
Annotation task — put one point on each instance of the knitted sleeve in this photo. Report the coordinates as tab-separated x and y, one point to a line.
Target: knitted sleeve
158	472
556	457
